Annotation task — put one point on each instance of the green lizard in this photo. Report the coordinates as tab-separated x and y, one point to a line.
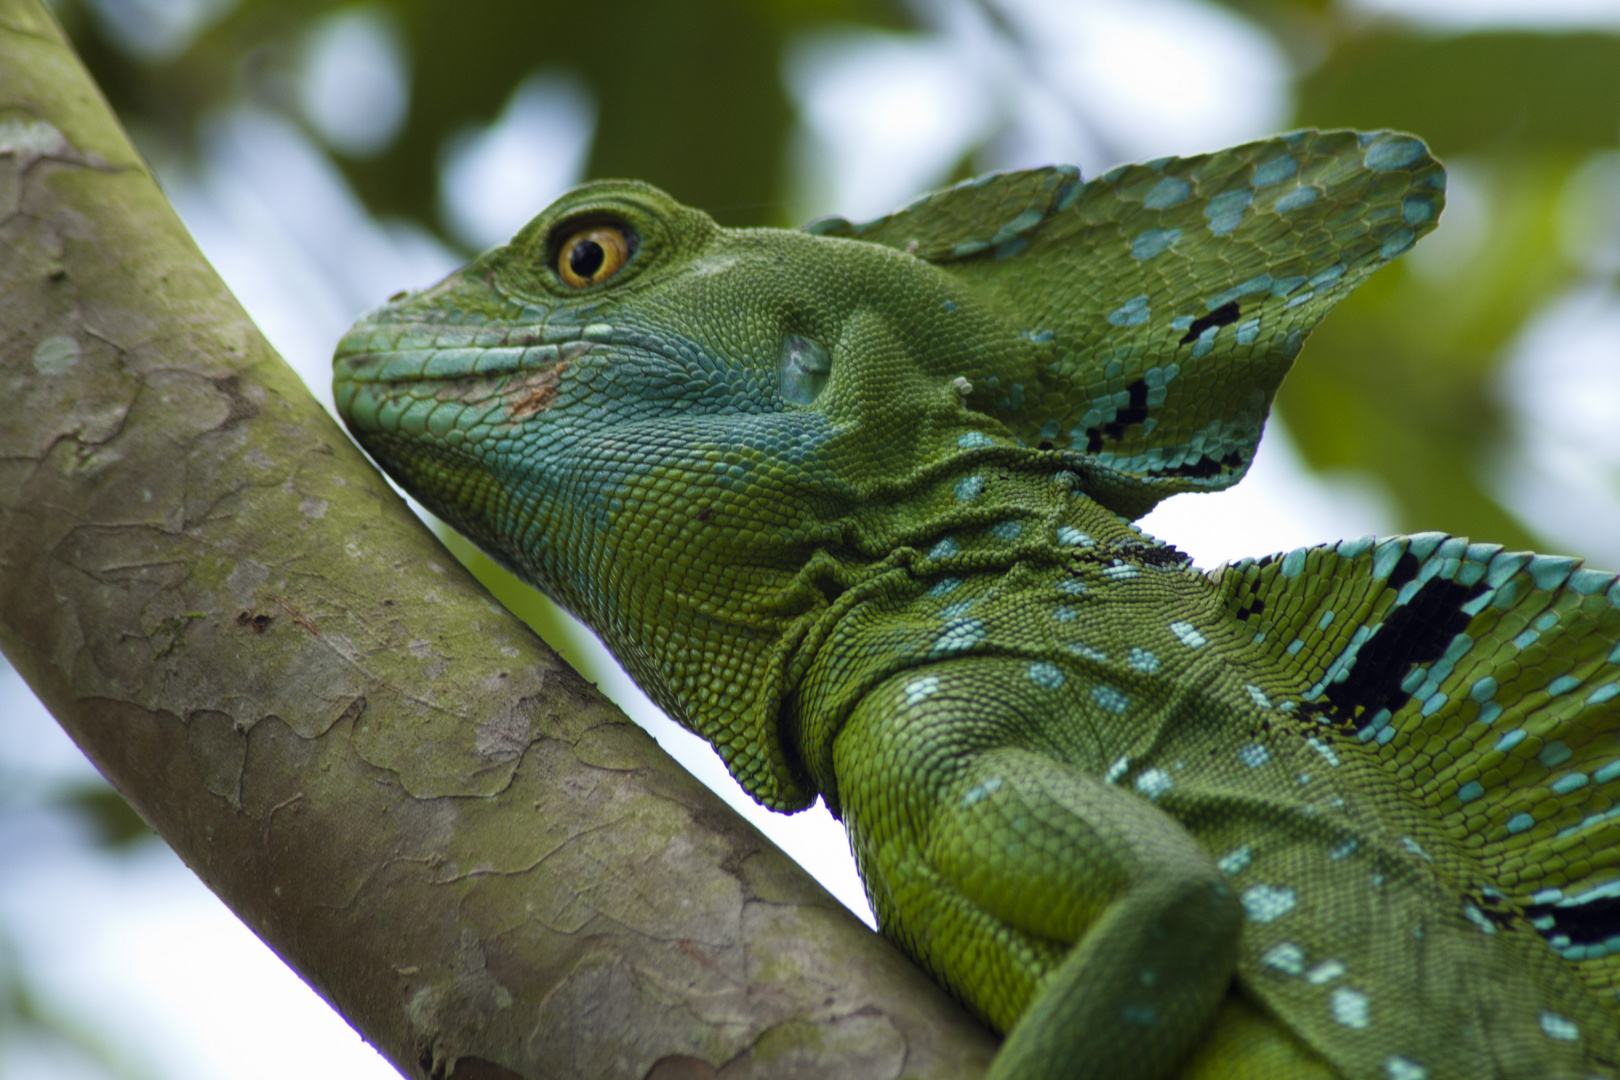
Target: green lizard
854	504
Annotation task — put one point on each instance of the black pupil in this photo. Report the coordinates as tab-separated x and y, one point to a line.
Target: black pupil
586	258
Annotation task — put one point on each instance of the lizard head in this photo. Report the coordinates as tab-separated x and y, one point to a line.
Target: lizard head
698	438
661	423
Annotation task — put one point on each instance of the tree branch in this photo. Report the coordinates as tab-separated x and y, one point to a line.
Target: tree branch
456	841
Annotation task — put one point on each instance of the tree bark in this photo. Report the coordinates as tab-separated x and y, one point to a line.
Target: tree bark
458	843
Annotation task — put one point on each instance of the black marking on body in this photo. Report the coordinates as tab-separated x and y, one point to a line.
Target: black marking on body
1405	570
1502	912
1415	633
1205	467
1590	923
1135	411
1150	553
1225	315
1254	607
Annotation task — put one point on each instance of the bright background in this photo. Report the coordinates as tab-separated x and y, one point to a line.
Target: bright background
326	155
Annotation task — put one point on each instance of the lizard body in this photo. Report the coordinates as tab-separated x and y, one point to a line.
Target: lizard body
855	504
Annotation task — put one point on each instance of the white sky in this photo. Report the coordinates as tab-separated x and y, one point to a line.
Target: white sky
135	948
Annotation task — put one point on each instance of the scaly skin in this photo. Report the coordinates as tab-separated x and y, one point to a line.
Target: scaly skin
854	504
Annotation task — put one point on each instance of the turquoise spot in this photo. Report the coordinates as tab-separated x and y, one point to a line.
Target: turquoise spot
1069	536
1225	210
1327	277
1153	242
1248	332
1166	193
1234	861
1190	637
1257	284
1065	614
1518	823
1267	903
1389	553
1086	652
1484	689
945	586
1295	646
1007	530
949	305
1292	563
1343	850
1143	661
1045	675
973	440
1510	740
1607	773
969	247
1110	698
1394	153
1562	685
1489	713
1397	242
1551	571
1354	549
1589	582
1154	783
1416	210
1294	200
1559	1027
1008	248
1275	171
1023	222
1133	312
921	689
1254	755
1072	586
944	549
969	487
980	792
1504	566
1325	621
1572	782
1349	1007
1603	693
960	636
1470	791
1555	754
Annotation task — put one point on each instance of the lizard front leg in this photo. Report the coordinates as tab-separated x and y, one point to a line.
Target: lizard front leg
1072	914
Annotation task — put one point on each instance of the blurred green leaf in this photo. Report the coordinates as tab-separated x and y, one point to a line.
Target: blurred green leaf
689	93
1472	92
1399	380
116	823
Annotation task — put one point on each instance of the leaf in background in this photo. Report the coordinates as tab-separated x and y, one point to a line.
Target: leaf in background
1472	92
116	823
1401	380
688	93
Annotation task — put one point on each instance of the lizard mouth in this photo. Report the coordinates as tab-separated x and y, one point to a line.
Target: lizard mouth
396	370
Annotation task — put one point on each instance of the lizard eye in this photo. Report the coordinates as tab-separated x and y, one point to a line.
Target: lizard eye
591	255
